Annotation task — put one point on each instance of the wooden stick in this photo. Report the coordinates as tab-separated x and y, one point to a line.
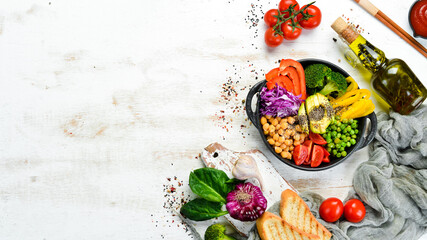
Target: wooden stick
374	11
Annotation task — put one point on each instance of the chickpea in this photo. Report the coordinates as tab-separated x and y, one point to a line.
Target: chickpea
288	155
277	149
272	134
281	139
263	120
265	126
271	141
288	142
296	143
286	148
293	132
288	132
291	148
291	120
283	146
298	128
297	137
279	119
284	125
281	132
274	122
277	144
272	128
284	154
276	137
267	116
266	132
283	121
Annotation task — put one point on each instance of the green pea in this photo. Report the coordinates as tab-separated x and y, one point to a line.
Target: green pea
344	137
338	155
343	126
331	145
334	127
334	152
355	121
351	121
356	131
338	129
352	141
342	149
348	144
328	140
353	136
343	153
338	135
334	134
352	132
338	124
329	149
354	125
343	144
344	121
345	130
337	140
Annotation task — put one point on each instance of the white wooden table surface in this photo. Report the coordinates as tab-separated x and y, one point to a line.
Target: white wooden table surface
105	106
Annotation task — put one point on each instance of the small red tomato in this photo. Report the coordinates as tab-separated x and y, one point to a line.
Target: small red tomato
354	210
331	209
288	32
285	4
316	156
312	22
272	39
270	17
316	138
300	154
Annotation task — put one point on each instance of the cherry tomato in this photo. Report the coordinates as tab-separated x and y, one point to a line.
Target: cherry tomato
269	17
316	156
312	22
309	145
288	32
418	18
300	154
284	5
316	138
272	39
354	210
331	209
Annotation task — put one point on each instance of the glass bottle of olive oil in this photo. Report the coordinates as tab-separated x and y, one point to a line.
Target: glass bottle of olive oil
392	79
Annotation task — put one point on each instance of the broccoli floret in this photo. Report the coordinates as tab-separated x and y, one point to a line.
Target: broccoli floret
334	82
217	232
315	75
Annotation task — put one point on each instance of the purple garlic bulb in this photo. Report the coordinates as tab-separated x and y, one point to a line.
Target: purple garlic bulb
246	202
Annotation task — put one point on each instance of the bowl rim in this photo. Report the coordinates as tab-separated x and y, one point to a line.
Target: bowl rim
334	161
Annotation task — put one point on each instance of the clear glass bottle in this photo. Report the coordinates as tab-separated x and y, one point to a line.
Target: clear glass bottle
392	79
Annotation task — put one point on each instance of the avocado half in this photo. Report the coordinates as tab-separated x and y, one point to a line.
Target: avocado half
303	119
319	111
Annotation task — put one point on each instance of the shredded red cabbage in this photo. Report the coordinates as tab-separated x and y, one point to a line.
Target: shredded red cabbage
279	102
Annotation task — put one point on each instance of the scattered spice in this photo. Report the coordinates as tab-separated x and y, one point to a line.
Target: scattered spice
232	99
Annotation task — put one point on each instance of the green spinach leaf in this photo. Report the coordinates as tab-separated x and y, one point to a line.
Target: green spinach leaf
200	209
211	184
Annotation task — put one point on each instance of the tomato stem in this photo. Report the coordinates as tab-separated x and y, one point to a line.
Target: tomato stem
292	14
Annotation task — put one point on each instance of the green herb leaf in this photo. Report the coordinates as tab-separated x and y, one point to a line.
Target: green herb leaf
200	209
210	184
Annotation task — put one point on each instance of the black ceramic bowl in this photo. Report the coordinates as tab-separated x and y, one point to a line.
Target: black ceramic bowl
363	125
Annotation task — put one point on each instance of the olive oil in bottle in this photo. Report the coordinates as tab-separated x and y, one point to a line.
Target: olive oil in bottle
392	79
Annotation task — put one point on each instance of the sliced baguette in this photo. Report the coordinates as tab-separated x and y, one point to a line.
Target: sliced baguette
296	212
272	227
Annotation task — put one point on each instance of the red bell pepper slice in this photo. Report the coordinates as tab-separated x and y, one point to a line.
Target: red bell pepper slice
272	74
292	63
282	81
293	75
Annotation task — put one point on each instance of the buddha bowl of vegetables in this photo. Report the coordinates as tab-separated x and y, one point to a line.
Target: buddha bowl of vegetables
311	114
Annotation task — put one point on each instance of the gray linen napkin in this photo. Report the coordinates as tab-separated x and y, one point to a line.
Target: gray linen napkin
392	184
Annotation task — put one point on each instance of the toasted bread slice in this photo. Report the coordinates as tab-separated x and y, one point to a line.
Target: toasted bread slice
272	227
296	212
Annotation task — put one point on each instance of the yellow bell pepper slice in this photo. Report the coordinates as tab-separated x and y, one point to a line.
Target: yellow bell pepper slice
353	85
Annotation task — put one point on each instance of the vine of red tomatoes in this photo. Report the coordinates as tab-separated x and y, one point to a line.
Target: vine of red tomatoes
288	20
